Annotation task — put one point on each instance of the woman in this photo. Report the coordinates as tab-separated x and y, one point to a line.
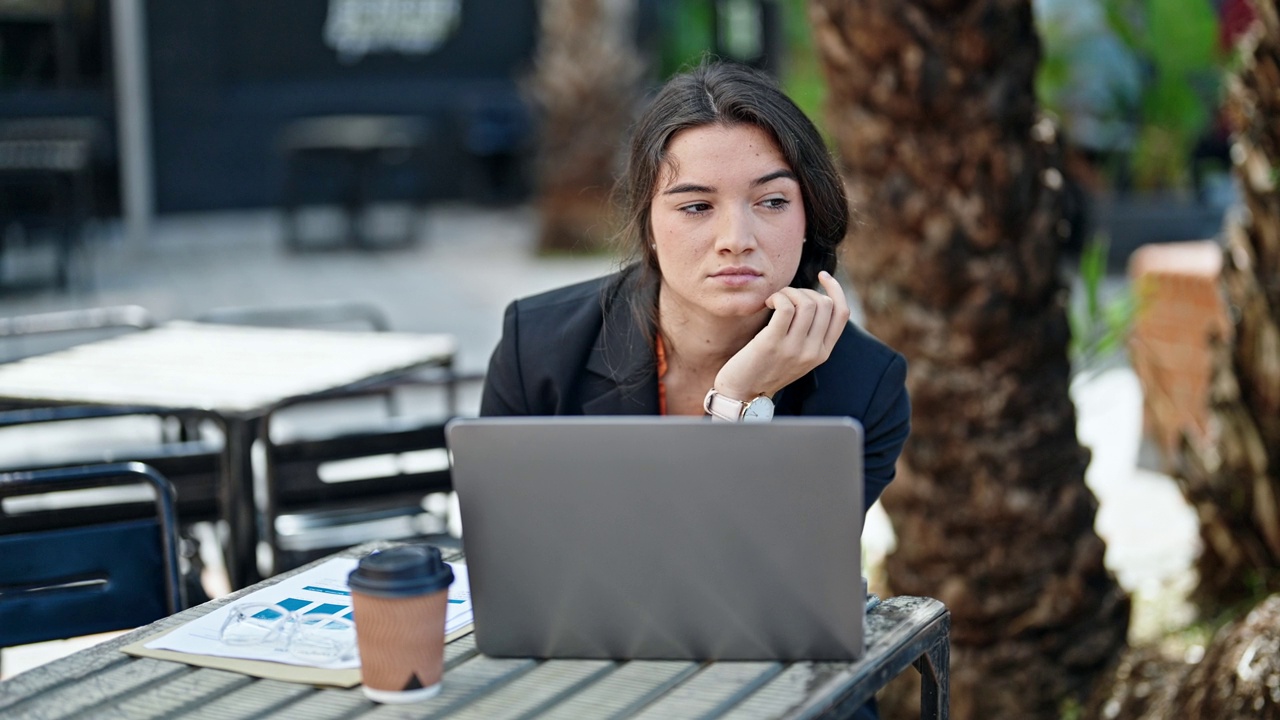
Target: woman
734	211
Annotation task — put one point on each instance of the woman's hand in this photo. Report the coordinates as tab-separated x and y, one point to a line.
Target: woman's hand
799	337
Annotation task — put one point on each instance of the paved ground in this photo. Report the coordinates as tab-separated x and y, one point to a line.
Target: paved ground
470	263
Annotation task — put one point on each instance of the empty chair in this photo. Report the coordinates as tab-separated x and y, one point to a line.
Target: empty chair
325	492
25	335
59	438
356	150
62	577
46	178
366	316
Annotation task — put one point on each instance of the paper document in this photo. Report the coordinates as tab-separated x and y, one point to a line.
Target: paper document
320	591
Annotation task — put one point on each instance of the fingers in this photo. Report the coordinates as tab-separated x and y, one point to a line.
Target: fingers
839	307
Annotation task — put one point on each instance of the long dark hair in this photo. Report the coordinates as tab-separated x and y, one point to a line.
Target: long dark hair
724	93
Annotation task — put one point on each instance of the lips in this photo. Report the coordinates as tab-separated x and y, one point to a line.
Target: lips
736	277
743	272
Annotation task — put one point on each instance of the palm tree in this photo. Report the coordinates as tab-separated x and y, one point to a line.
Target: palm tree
585	83
1233	480
932	108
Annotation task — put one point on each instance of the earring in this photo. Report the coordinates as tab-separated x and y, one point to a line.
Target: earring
653	246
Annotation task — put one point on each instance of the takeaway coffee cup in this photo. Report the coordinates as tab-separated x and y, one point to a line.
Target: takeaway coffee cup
399	596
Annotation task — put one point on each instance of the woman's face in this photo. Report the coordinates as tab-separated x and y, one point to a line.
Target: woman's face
728	221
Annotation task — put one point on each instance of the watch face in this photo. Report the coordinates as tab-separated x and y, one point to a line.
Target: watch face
760	408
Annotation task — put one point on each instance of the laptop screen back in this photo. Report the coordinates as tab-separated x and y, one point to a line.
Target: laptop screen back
678	538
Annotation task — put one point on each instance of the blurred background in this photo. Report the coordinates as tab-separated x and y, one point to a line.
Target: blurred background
436	159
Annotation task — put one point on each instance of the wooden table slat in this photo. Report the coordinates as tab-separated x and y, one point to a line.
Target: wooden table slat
72	701
785	692
165	699
322	705
533	691
465	683
250	701
64	671
624	691
713	690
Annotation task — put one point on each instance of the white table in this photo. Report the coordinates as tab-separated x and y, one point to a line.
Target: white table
236	374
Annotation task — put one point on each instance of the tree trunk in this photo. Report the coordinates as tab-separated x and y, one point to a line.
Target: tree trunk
1238	677
1233	480
586	78
957	183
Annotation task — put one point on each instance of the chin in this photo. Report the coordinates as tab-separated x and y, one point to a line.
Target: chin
739	308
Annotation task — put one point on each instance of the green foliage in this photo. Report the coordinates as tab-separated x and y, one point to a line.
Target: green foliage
1165	106
687	34
1098	329
1177	44
801	71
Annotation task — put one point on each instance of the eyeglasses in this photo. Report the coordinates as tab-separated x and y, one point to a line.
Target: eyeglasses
311	637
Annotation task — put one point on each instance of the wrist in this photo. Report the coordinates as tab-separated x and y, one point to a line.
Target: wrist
757	408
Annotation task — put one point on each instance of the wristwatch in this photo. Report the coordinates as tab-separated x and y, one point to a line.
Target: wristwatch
757	409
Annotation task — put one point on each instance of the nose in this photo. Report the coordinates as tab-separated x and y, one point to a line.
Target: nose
736	233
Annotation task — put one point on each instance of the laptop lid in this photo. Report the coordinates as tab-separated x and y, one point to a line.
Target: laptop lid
676	538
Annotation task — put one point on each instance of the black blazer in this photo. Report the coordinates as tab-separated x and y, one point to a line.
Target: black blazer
578	350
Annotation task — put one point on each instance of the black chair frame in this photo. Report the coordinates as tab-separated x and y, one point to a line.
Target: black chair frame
293	486
67	580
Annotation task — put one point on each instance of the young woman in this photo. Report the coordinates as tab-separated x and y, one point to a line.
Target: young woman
734	211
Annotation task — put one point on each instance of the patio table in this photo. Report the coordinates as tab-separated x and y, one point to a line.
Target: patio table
102	681
235	374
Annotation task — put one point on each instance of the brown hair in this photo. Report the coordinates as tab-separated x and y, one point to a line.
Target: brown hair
727	94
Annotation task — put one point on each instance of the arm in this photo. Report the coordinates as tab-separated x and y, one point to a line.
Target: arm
886	423
504	392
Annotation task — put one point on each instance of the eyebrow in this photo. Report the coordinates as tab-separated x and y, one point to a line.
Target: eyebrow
762	180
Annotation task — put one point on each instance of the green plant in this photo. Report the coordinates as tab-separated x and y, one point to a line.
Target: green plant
1141	78
1176	42
1099	328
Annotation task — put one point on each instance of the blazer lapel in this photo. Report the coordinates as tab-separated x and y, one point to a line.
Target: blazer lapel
622	368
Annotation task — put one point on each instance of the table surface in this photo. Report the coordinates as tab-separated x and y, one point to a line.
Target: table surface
104	682
229	369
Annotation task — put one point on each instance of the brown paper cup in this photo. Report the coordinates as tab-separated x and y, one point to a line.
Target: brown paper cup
401	645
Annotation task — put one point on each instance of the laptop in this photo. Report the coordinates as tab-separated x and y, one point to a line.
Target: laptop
662	538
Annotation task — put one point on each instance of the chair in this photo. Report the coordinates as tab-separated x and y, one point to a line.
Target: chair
358	145
61	579
25	335
325	493
65	437
366	315
53	157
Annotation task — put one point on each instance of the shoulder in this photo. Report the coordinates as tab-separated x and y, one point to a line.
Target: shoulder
561	299
580	302
860	369
859	349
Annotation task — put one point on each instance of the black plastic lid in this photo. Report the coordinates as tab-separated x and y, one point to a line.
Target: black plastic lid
401	572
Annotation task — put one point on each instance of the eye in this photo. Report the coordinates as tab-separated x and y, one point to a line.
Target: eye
775	203
697	208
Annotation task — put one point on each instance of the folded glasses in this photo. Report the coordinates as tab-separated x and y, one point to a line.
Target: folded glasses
310	637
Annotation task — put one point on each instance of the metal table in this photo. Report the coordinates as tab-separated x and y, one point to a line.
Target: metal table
104	682
236	374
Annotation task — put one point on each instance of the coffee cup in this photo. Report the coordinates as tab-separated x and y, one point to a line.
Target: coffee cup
399	597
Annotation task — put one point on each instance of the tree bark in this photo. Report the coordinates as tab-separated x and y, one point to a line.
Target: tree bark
956	180
1233	479
1236	678
586	78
